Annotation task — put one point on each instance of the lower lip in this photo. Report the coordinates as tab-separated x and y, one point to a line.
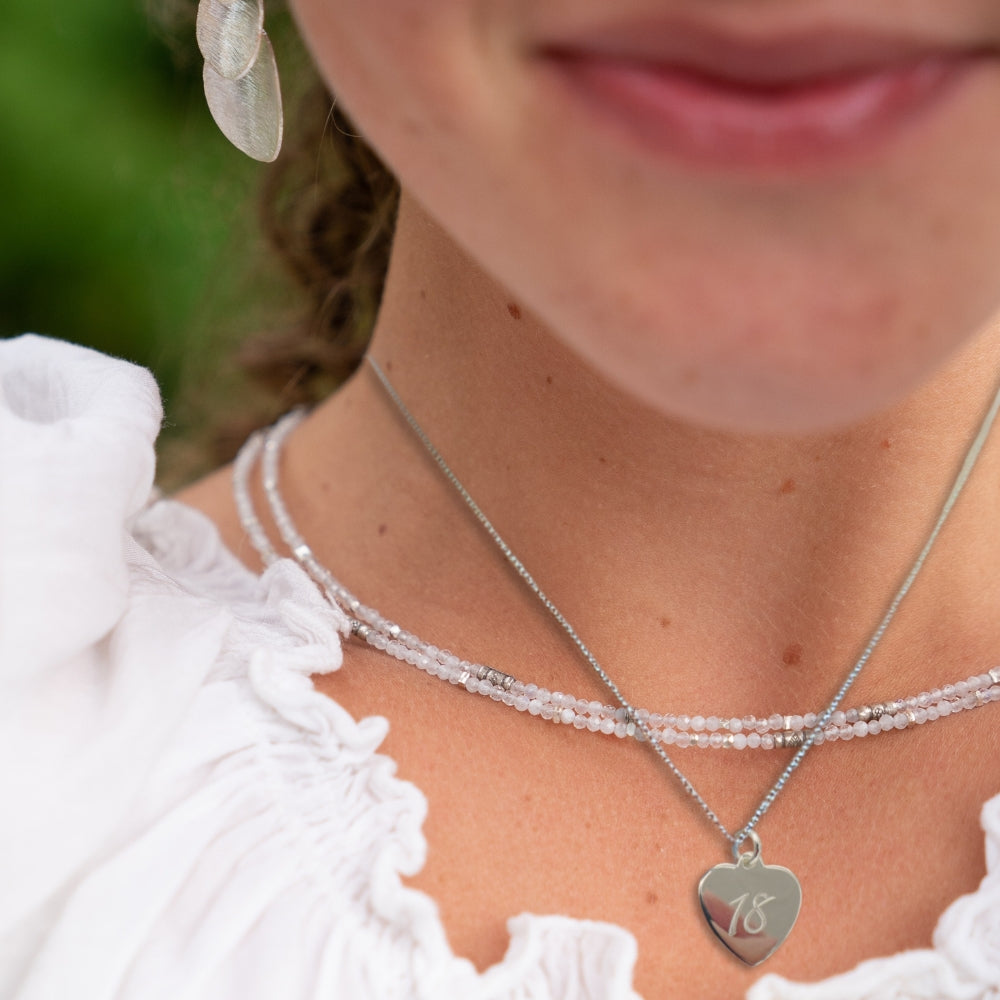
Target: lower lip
731	125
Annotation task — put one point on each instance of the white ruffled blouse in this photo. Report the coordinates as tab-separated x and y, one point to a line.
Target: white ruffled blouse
185	817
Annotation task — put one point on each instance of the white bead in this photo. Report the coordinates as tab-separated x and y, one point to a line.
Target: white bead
838	718
534	706
712	724
683	739
874	728
621	730
735	726
885	723
860	729
567	715
698	724
607	726
521	703
715	740
593	724
753	741
900	720
702	740
740	741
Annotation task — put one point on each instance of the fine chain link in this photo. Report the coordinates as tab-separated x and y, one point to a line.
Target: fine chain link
748	828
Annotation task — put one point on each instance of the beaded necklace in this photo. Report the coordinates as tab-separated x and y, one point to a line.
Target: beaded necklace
750	906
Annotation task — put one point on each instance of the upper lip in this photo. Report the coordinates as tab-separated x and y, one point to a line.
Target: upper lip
773	60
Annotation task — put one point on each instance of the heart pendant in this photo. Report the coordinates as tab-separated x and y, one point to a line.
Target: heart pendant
751	907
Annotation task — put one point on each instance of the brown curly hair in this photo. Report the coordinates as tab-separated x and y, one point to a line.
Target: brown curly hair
327	208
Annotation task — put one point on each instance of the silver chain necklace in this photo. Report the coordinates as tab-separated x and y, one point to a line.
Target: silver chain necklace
750	906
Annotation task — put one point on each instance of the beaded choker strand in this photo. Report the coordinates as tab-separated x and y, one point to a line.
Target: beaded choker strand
750	906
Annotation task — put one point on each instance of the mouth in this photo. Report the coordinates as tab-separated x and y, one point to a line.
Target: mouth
737	103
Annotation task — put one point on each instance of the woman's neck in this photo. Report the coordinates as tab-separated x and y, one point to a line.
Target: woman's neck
687	558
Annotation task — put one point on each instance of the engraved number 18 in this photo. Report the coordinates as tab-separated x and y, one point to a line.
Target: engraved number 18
755	921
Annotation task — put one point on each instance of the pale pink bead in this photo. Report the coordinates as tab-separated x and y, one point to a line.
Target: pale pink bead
885	723
845	732
594	708
776	721
702	739
920	715
607	726
740	741
683	721
735	725
593	724
534	706
548	712
753	740
809	720
796	723
874	728
933	714
712	724
684	739
852	716
900	720
860	729
621	730
715	740
668	737
838	718
767	742
698	724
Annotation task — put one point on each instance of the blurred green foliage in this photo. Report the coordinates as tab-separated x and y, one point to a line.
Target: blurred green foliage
127	221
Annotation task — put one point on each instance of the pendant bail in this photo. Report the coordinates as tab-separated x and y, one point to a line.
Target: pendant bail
746	858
